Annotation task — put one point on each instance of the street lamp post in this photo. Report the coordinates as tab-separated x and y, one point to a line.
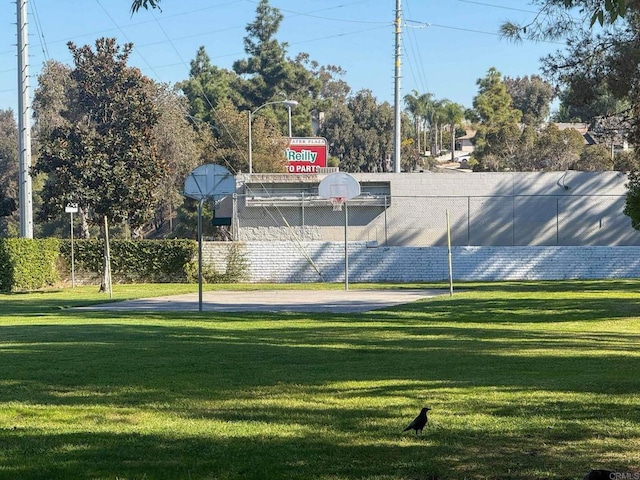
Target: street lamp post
287	103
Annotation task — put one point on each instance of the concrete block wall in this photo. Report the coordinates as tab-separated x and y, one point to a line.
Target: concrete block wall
307	262
485	209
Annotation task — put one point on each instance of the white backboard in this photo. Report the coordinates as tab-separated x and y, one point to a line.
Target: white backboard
209	180
339	185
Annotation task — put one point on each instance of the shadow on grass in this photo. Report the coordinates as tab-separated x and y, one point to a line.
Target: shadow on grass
322	396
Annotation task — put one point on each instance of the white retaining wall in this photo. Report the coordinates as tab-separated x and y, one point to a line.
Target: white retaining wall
290	262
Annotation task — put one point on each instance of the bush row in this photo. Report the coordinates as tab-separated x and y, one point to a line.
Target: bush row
27	264
30	264
148	261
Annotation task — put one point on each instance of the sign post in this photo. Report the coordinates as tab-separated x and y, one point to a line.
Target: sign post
72	208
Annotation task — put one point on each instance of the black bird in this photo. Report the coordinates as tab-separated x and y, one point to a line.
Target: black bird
419	422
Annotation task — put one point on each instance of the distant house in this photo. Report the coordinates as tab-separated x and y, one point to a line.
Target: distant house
581	128
598	135
465	142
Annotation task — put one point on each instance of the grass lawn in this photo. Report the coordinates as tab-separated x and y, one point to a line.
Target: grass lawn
526	381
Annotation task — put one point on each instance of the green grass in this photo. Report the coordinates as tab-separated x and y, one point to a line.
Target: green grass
526	381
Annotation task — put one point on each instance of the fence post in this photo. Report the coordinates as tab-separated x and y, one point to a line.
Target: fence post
557	221
513	221
386	237
235	219
302	203
468	220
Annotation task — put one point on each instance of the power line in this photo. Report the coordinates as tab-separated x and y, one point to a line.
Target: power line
125	36
497	6
416	62
43	43
302	14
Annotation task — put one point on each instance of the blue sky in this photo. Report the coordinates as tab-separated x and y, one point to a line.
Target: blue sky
447	44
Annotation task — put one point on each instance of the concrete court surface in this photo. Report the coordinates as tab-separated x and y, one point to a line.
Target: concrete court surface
330	301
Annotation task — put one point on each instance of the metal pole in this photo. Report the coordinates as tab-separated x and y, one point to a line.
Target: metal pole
200	254
386	227
396	101
250	146
289	108
346	247
108	266
303	219
73	268
24	125
449	254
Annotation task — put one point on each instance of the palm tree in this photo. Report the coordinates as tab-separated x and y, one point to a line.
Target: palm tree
453	114
436	118
418	106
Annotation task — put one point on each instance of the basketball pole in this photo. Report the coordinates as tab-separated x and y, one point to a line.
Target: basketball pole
200	252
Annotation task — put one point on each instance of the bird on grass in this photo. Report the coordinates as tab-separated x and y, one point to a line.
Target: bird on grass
419	422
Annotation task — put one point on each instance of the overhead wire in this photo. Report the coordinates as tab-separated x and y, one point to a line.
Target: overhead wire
127	38
414	56
43	42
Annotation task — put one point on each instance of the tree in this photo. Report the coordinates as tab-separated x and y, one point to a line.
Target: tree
230	144
597	70
419	106
594	158
556	17
105	157
49	98
557	149
269	75
360	133
138	4
180	146
532	96
209	85
498	130
8	172
632	202
453	114
267	72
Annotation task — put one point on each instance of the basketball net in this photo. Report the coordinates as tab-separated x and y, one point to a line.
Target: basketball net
337	203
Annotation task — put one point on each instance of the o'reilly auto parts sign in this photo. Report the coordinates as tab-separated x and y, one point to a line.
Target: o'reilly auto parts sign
305	155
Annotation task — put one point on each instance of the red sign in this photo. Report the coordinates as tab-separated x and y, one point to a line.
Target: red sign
305	155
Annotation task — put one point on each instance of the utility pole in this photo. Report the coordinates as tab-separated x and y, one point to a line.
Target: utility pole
396	102
24	124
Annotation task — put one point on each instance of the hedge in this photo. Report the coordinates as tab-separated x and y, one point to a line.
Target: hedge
149	261
28	264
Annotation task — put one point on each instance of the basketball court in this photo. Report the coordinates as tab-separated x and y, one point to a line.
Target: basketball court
328	301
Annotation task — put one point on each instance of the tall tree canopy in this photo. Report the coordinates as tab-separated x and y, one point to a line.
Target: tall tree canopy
104	156
532	96
361	133
498	130
8	172
208	85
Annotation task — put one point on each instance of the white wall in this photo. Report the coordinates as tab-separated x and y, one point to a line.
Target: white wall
290	262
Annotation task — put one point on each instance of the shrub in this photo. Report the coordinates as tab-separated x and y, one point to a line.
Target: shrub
149	261
235	271
28	264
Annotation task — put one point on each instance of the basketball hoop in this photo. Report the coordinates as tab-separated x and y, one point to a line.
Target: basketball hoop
337	203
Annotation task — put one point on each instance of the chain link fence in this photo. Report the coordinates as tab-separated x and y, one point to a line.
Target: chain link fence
385	220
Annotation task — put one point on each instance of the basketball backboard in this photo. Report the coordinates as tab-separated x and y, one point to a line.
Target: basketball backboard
209	180
339	185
